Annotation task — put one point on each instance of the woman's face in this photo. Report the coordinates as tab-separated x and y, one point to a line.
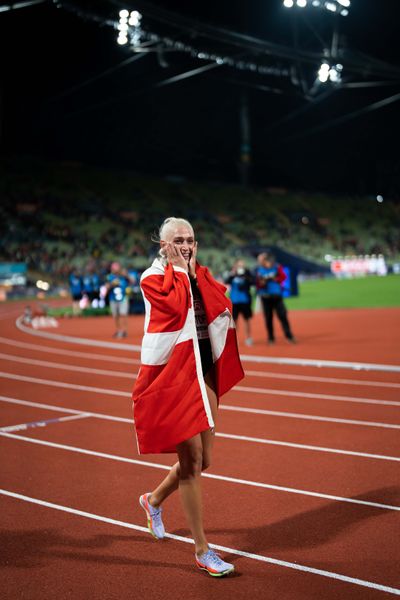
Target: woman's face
183	238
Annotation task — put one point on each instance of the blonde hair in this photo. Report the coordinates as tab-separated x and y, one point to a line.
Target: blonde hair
168	225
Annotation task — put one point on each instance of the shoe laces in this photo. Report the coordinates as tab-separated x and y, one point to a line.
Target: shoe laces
214	558
156	515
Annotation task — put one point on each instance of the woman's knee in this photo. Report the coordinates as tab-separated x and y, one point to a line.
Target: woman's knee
191	462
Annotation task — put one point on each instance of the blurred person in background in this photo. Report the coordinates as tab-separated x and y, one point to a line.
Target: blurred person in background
240	280
189	359
269	279
76	290
117	282
91	284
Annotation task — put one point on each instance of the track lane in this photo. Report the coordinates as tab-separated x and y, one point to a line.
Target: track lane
69	549
271	523
244	461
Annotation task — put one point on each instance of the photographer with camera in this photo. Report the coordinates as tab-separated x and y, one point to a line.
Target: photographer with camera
240	280
269	279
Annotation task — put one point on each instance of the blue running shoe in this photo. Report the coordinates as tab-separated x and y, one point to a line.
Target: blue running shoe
213	564
154	519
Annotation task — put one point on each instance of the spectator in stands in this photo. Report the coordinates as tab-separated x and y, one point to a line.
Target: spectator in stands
117	282
76	288
240	280
269	279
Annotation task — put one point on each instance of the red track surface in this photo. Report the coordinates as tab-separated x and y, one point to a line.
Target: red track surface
313	481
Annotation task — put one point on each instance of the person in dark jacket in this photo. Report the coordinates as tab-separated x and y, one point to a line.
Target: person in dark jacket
240	280
269	279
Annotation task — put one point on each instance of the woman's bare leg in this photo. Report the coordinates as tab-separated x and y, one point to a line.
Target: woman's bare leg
166	487
190	454
194	457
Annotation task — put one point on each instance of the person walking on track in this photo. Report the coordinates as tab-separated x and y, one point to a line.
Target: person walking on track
269	279
189	359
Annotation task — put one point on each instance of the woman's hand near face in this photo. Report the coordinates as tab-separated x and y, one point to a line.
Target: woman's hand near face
192	261
174	256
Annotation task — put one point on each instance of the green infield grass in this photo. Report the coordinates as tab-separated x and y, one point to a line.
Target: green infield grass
366	292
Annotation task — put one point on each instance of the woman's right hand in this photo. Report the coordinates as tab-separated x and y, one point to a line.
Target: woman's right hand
174	256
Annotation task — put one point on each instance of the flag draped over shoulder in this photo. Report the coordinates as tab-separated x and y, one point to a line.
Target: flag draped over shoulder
170	398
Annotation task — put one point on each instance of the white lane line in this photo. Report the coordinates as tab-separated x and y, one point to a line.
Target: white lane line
133	361
232	436
73	411
238	388
290	393
68	386
75	340
41	423
66	367
92	356
244	357
275	413
234	551
312	362
259	411
247	482
307	447
336	380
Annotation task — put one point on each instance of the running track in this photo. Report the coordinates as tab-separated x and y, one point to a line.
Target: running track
303	495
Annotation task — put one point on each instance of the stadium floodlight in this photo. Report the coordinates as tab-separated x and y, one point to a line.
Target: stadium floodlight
323	73
331	6
334	6
129	30
330	73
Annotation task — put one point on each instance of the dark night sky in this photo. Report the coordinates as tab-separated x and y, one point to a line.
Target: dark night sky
192	128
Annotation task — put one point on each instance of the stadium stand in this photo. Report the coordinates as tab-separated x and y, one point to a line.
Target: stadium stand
56	216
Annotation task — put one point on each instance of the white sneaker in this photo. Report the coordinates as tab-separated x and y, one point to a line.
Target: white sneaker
154	519
213	564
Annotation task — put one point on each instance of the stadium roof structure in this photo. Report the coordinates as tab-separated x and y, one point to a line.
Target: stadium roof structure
200	90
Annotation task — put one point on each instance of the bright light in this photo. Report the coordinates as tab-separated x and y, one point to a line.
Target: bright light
335	6
135	18
43	285
323	77
326	72
379	198
129	30
334	75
